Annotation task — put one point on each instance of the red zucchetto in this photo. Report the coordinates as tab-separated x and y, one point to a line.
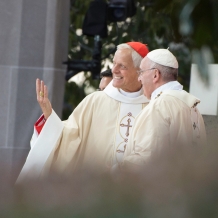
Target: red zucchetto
139	47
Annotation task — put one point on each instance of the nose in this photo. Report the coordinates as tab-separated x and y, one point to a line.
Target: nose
115	69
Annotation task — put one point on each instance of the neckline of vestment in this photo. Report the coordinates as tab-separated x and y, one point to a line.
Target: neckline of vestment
131	94
114	93
173	85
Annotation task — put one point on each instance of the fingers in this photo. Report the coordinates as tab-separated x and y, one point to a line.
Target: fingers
45	92
38	87
41	90
41	93
42	98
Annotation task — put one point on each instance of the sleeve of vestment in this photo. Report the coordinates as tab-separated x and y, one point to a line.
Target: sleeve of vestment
71	144
58	143
38	126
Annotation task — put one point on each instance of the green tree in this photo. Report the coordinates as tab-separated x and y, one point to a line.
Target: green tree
187	27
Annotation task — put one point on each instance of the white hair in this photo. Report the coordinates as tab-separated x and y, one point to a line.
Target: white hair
136	57
168	73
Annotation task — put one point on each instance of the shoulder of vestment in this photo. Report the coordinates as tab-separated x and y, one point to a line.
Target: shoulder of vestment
190	100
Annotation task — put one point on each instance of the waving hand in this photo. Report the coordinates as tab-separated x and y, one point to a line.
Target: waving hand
42	98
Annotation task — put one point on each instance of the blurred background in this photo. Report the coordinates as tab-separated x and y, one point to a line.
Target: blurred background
188	28
67	43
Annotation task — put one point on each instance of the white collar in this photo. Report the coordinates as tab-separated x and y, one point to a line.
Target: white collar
131	94
173	85
114	93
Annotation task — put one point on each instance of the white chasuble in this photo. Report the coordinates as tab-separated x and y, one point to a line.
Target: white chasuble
198	129
129	108
125	122
171	120
94	136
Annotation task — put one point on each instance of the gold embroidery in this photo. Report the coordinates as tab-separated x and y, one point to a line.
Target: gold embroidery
127	125
158	95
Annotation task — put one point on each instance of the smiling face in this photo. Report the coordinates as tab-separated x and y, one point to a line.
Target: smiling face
125	74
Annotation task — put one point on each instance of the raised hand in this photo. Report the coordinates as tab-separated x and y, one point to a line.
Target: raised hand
42	98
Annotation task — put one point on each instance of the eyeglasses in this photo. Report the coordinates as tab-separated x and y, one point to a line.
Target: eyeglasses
140	72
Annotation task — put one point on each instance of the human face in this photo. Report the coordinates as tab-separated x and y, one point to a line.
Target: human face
146	77
104	82
124	72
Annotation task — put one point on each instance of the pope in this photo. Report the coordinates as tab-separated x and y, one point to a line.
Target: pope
171	120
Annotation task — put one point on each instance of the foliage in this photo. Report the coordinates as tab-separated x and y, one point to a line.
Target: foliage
187	27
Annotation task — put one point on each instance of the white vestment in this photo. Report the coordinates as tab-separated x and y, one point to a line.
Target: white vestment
95	135
171	119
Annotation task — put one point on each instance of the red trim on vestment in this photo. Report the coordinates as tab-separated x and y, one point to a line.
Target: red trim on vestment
39	124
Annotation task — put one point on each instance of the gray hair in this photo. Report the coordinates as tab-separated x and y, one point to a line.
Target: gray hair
168	73
136	57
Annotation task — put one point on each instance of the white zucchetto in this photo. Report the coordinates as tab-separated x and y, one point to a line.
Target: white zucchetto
163	57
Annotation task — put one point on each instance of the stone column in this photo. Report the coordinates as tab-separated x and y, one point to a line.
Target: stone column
33	44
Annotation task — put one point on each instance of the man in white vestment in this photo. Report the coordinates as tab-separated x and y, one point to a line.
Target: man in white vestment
171	120
96	133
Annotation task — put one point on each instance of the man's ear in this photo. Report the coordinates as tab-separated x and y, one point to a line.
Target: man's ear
156	75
